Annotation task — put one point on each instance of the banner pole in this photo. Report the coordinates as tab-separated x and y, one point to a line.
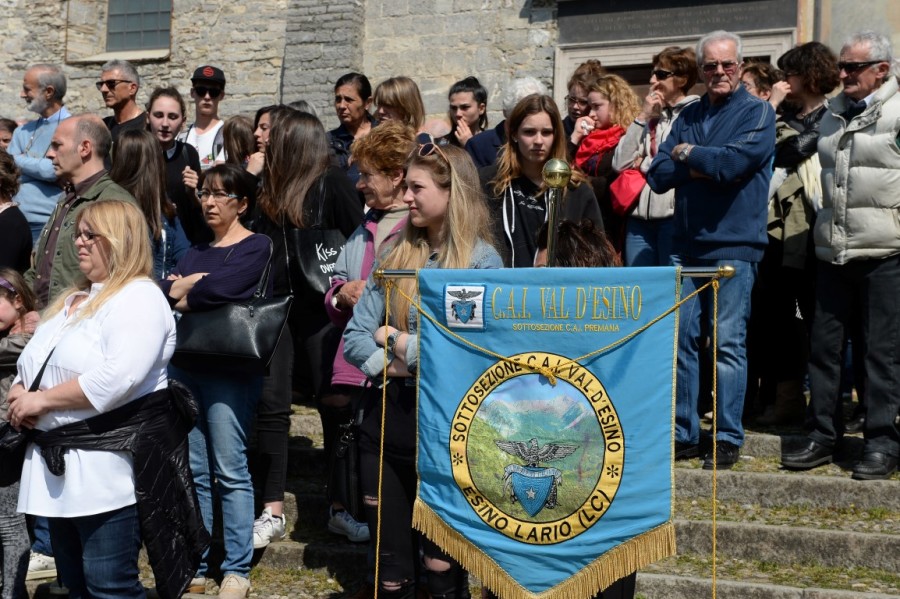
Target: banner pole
556	174
720	272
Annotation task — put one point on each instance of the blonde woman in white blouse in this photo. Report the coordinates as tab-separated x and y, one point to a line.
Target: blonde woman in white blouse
111	339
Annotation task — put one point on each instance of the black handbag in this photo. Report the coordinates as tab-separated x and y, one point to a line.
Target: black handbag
240	337
314	251
13	443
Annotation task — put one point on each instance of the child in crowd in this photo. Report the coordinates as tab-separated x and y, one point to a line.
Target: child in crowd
17	322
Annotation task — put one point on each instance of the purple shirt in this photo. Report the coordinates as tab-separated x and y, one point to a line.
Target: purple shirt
234	272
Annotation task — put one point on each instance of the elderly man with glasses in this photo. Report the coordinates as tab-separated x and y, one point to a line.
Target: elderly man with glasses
717	158
857	239
119	83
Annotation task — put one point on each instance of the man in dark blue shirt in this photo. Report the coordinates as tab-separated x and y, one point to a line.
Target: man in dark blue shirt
718	159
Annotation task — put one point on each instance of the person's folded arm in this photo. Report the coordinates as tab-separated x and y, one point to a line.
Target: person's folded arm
749	149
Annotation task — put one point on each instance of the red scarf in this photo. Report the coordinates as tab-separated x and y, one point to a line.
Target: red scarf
597	143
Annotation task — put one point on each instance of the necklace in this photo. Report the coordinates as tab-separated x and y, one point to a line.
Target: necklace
803	115
41	120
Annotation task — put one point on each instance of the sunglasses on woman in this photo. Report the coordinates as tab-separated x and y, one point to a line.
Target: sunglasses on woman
428	145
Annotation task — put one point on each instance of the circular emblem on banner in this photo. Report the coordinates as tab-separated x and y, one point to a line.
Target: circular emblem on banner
537	462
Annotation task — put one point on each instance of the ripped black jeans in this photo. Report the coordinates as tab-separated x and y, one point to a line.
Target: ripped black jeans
399	563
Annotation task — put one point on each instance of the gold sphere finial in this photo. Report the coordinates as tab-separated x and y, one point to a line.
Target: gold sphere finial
556	173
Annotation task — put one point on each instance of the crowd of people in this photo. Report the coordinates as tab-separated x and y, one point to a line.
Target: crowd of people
112	228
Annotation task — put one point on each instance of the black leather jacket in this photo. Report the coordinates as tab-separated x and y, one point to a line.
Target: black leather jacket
154	429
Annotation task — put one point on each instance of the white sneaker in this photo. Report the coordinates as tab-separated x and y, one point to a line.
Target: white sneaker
267	528
234	587
342	523
40	566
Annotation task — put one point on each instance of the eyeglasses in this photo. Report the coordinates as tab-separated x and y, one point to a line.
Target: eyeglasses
661	74
85	236
852	67
428	145
110	84
748	86
729	66
201	91
583	102
219	197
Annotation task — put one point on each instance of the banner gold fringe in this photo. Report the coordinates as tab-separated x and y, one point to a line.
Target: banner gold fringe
616	563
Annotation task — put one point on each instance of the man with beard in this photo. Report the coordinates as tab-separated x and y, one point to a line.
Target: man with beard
43	89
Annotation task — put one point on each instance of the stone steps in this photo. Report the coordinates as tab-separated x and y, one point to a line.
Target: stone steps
756	484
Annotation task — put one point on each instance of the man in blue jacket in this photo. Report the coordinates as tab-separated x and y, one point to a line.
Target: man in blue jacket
718	159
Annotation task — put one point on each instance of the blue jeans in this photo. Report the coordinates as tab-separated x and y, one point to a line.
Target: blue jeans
648	242
41	531
97	556
218	446
731	367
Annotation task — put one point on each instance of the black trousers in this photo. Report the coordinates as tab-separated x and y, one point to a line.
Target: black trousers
399	544
867	290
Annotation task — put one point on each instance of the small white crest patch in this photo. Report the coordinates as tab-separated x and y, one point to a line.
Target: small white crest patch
464	306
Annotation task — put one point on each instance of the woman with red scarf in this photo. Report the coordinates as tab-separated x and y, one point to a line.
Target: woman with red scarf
613	106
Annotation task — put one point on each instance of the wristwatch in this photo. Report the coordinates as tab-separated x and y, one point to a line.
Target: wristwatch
683	154
392	341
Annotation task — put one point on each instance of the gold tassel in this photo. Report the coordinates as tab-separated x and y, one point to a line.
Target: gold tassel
616	563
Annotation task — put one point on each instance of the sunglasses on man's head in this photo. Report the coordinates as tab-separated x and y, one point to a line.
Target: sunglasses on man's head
202	90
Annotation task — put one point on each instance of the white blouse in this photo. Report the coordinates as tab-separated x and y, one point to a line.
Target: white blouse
118	354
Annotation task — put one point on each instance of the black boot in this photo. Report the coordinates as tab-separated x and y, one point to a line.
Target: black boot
449	584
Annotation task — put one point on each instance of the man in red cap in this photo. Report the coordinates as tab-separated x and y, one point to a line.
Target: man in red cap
205	134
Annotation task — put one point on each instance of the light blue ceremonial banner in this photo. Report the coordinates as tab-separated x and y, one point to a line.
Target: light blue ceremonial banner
549	473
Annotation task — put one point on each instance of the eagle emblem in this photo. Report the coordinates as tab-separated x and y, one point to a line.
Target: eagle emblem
463	308
533	486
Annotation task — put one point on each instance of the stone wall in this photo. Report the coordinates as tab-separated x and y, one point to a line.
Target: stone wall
246	40
324	40
284	50
439	42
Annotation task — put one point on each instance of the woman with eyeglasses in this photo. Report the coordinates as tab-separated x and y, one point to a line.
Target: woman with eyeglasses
517	195
786	280
649	227
380	156
398	99
104	344
226	270
139	168
577	104
300	190
165	117
448	227
765	81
